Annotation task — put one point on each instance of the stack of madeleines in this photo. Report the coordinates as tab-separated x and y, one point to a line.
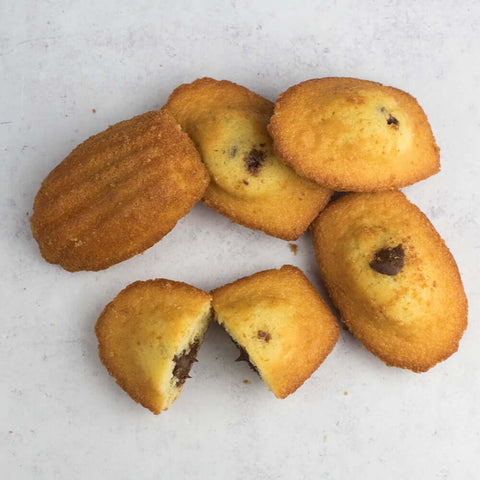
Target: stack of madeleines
271	167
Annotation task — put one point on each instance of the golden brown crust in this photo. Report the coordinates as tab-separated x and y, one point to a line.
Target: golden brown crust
141	330
412	319
353	135
281	321
118	193
228	123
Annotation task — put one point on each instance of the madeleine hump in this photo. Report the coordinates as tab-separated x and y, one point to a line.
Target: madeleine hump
395	282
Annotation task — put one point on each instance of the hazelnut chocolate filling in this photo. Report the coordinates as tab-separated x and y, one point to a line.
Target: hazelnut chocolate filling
254	161
388	261
264	335
244	357
391	120
184	362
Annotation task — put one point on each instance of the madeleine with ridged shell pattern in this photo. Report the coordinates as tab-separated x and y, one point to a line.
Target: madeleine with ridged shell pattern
118	193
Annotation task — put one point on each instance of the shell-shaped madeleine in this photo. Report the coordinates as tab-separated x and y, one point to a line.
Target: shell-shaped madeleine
118	193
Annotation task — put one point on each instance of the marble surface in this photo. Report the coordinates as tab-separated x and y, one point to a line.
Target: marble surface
68	70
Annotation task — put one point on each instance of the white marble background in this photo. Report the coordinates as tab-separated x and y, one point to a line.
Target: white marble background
61	415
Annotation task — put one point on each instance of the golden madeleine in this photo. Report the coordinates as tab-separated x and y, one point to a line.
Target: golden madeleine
148	337
118	193
280	323
353	135
393	279
249	185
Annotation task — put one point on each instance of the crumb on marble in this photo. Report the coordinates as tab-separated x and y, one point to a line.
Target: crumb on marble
345	393
293	248
246	382
94	110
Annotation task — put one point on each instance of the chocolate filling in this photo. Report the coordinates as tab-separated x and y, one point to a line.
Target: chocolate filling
388	261
264	335
243	357
184	362
254	161
391	120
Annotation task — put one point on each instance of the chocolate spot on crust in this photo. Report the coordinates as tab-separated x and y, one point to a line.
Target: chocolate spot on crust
245	182
388	261
184	362
233	150
264	335
391	120
254	161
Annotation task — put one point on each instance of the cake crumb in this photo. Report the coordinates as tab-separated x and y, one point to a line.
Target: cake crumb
66	116
246	382
345	393
325	438
293	248
93	110
10	431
